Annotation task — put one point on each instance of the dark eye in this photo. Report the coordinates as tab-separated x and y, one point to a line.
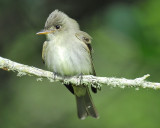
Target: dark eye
58	26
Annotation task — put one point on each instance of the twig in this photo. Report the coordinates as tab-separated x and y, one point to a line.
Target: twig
9	65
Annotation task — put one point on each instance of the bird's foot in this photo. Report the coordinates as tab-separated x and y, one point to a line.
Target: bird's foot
55	75
80	78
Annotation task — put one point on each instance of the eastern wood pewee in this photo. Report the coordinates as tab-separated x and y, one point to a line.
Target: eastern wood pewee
67	52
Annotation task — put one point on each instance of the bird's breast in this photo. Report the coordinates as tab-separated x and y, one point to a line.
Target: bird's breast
68	58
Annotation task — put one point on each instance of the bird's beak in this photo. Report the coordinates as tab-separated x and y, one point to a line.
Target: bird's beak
44	32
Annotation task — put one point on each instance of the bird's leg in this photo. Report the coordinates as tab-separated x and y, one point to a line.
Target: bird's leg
80	77
55	75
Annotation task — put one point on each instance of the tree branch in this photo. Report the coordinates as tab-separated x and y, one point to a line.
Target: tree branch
9	65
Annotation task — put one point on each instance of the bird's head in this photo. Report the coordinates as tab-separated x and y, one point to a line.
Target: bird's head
57	23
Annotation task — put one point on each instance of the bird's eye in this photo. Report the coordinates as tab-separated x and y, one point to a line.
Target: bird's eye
58	26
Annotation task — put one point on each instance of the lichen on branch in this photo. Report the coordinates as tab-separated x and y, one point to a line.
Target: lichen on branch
97	81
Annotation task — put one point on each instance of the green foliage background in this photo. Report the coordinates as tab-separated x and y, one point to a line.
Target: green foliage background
126	42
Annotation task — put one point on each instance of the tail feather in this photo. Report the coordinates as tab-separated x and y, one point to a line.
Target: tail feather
81	109
89	105
85	106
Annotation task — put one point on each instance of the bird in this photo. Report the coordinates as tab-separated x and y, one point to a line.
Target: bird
67	52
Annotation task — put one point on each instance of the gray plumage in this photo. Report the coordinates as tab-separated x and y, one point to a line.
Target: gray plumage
67	52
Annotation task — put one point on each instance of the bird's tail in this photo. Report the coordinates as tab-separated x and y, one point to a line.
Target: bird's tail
85	106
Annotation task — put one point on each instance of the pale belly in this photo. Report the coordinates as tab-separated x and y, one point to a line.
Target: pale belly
68	60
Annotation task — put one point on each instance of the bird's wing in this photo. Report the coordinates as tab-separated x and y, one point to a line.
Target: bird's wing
43	51
86	38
